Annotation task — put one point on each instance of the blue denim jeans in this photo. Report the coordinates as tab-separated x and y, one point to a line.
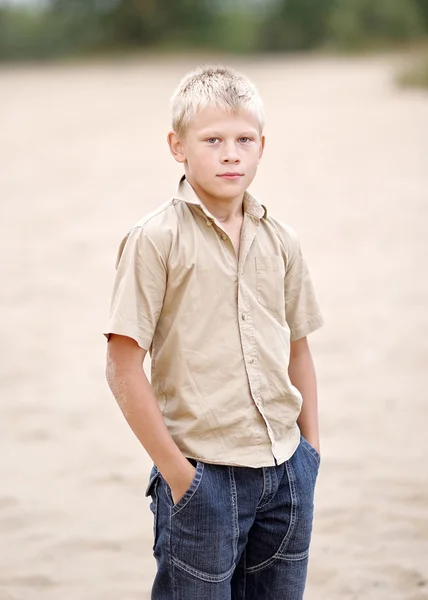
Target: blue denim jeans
238	533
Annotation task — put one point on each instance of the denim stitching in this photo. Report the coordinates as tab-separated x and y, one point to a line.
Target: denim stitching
274	490
201	574
191	570
168	547
152	482
311	451
294	557
264	489
269	498
234	497
293	494
313	456
278	556
293	520
191	491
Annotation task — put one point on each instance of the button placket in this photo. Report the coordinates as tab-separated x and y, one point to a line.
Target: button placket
248	342
248	234
249	230
249	354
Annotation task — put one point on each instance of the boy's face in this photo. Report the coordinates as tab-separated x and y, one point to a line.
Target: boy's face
220	153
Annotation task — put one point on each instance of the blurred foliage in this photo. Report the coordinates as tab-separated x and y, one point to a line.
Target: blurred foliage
31	33
70	27
422	6
359	23
297	25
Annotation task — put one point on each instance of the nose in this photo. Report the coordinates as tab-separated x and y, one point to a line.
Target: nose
230	155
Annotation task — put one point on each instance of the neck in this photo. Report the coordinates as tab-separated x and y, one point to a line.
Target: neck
223	209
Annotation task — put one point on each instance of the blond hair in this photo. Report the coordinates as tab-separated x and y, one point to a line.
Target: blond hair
218	87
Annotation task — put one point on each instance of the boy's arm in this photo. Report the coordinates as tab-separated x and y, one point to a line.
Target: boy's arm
135	396
302	375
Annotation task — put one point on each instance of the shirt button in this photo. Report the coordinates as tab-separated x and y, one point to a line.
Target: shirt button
209	223
224	237
244	317
251	360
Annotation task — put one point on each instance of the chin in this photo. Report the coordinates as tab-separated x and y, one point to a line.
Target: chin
232	184
231	191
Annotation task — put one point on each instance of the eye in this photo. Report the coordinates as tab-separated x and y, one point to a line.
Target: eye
245	140
212	140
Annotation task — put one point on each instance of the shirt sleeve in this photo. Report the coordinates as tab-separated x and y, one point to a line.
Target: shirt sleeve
301	307
138	290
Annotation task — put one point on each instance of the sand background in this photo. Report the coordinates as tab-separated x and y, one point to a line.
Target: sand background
83	156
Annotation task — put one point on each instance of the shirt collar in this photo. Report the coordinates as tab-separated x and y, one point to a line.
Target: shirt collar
187	194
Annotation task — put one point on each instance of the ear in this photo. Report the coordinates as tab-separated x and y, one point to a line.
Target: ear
262	147
176	147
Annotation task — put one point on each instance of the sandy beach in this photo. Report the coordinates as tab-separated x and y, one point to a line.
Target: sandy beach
83	157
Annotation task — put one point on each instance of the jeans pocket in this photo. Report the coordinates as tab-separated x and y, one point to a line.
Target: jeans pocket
310	449
302	471
190	490
152	491
153	481
203	525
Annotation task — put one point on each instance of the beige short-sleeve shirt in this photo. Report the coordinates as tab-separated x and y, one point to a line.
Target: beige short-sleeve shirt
218	328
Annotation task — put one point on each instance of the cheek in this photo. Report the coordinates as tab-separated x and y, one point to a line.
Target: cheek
202	165
206	160
201	157
253	157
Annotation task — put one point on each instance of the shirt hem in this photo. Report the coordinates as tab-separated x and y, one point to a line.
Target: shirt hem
298	333
260	464
144	343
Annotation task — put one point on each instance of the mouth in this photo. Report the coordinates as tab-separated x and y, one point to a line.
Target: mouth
231	175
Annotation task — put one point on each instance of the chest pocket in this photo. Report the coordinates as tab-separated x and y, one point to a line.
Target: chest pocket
270	274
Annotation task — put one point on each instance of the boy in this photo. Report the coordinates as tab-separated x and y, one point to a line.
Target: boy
218	292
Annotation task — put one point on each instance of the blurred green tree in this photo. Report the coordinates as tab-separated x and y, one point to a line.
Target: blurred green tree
297	24
60	27
360	23
423	10
148	22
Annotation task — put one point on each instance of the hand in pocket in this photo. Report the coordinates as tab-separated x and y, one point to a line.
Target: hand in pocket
180	487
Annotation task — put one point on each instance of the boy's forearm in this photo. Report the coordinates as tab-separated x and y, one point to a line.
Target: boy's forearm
139	405
302	375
